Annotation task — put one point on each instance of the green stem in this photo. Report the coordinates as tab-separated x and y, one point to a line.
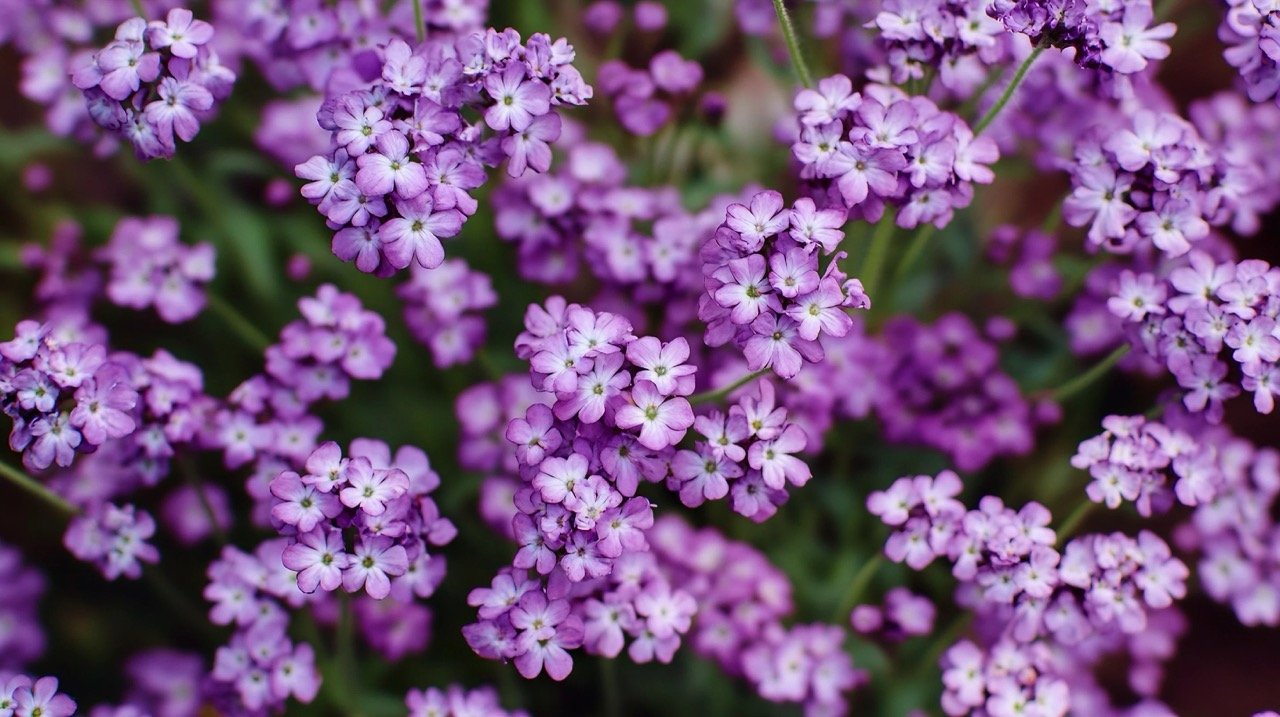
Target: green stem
1074	520
137	7
793	44
419	23
1086	379
237	322
24	481
344	660
1008	91
719	393
610	687
857	586
918	243
877	254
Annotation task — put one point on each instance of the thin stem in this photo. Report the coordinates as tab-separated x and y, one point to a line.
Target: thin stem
877	254
192	478
719	393
918	243
24	481
610	687
344	659
238	323
857	586
1086	379
1008	91
793	44
1074	520
137	7
419	23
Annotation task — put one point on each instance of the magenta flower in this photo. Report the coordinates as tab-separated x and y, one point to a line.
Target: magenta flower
664	364
530	148
302	506
763	219
415	234
534	435
547	631
369	489
319	558
180	32
745	290
774	459
375	561
557	477
101	409
41	699
517	101
390	168
662	421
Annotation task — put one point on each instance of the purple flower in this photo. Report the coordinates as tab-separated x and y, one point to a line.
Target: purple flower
662	420
180	32
763	219
664	364
375	561
415	234
319	558
390	168
517	100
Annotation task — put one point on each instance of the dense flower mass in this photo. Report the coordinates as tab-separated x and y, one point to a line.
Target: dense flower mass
403	157
880	148
155	82
839	357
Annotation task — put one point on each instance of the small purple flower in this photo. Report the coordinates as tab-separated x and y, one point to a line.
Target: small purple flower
662	421
319	558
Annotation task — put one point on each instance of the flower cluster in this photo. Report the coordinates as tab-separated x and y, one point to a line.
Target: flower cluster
639	242
21	639
403	158
1008	561
24	697
114	539
441	308
764	291
155	82
942	385
382	501
1234	531
266	418
456	701
1005	678
1251	31
63	398
957	38
1050	615
643	98
865	151
298	43
1152	180
150	267
1189	320
261	667
168	416
1111	37
742	599
1131	459
903	615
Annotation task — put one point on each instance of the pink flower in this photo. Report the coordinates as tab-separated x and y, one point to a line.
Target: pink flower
662	421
